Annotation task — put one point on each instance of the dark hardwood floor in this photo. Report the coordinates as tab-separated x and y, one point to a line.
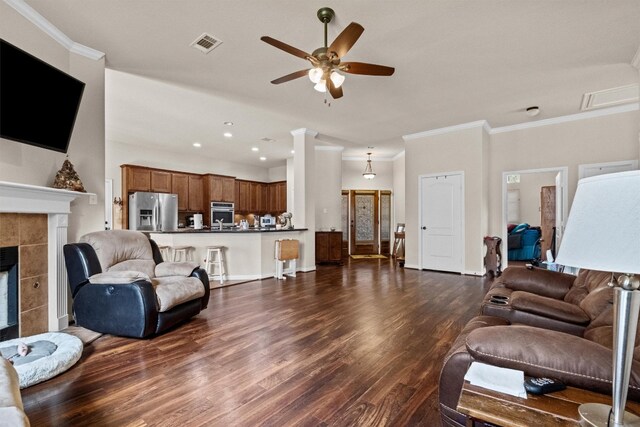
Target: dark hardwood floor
355	345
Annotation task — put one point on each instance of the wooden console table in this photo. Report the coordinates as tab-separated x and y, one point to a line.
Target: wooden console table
554	409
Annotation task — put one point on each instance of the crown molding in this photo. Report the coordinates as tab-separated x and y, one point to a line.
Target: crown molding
364	159
569	118
328	148
636	59
52	31
304	131
397	156
471	125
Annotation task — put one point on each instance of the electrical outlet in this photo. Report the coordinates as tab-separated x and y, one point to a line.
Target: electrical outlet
93	199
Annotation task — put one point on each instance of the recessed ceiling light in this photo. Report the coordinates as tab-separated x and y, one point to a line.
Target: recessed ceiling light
263	158
228	123
293	151
197	144
227	134
255	149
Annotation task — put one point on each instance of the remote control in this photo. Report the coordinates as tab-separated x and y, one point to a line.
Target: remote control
543	385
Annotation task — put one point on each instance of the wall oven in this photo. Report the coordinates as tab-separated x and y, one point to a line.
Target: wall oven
222	211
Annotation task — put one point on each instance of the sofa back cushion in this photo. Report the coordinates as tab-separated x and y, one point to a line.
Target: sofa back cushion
591	292
119	250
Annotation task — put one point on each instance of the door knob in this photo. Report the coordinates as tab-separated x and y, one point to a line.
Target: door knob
424	228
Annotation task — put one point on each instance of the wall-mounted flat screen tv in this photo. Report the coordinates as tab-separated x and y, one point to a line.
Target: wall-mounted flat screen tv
38	102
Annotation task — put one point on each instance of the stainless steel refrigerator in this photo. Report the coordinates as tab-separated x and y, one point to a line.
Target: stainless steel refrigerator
153	212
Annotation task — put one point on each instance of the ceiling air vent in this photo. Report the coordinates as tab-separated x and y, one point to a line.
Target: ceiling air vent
610	97
265	139
206	43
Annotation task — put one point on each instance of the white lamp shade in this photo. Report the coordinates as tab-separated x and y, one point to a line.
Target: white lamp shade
315	74
603	228
321	86
337	79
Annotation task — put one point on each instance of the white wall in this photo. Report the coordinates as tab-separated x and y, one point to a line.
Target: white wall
118	154
461	150
593	140
328	194
37	166
398	192
529	189
352	175
279	173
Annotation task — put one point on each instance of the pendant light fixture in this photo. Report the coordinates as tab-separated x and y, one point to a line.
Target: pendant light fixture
368	170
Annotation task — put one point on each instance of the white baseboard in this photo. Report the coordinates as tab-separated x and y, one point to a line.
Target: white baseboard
473	273
412	266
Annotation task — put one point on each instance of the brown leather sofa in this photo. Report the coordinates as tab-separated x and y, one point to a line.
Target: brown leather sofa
580	360
550	300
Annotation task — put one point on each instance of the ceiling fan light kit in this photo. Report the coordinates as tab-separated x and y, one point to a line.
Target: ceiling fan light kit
326	61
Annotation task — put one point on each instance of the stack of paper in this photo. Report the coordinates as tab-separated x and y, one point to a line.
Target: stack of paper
503	380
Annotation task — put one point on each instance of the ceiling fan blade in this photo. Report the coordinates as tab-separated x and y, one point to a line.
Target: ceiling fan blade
336	92
283	46
368	69
346	39
291	76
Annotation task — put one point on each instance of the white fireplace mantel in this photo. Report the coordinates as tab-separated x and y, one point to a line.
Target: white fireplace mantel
56	203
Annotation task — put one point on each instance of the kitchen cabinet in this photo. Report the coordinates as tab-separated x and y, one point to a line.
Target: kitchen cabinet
136	178
328	247
180	186
196	189
160	181
243	196
277	197
264	198
255	198
219	188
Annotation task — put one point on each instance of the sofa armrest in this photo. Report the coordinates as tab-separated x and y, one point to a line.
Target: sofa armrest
201	274
81	262
121	309
539	352
166	269
536	280
549	307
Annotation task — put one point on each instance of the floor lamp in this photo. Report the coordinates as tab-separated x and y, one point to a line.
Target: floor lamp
603	233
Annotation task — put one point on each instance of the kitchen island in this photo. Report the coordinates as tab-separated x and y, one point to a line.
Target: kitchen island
249	254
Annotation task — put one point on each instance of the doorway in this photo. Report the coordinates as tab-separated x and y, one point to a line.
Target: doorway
543	202
441	222
366	214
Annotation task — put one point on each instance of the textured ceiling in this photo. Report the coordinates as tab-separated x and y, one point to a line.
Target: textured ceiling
456	62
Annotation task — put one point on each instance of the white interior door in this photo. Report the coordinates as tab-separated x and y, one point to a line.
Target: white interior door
513	206
108	204
441	223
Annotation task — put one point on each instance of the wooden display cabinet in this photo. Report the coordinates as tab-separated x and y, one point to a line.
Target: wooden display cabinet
328	247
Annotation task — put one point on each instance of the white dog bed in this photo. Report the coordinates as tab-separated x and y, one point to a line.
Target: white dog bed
67	353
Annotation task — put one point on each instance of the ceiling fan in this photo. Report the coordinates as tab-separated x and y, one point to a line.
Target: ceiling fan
325	60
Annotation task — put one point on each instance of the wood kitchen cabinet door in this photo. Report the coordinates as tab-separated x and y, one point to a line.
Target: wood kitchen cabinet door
254	198
138	179
228	189
281	197
196	190
328	247
264	198
180	186
243	196
160	181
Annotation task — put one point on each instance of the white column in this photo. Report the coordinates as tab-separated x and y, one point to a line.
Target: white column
57	273
304	178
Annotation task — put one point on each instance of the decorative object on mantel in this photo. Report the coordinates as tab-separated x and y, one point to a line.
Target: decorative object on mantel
67	178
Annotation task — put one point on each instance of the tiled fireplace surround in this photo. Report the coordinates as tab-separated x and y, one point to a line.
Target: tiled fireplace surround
36	219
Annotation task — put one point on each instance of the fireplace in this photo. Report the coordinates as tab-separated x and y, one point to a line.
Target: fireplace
9	327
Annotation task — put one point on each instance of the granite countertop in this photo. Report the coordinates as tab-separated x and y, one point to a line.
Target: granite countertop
229	230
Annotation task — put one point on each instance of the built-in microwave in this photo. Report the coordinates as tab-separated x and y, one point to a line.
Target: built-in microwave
222	211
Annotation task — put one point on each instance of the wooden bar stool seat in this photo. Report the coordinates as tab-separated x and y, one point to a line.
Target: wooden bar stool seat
165	251
215	258
182	253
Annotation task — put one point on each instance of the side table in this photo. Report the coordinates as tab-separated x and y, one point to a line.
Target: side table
553	409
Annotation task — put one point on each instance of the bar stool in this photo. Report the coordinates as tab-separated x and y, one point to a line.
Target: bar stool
183	253
165	252
215	257
286	250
